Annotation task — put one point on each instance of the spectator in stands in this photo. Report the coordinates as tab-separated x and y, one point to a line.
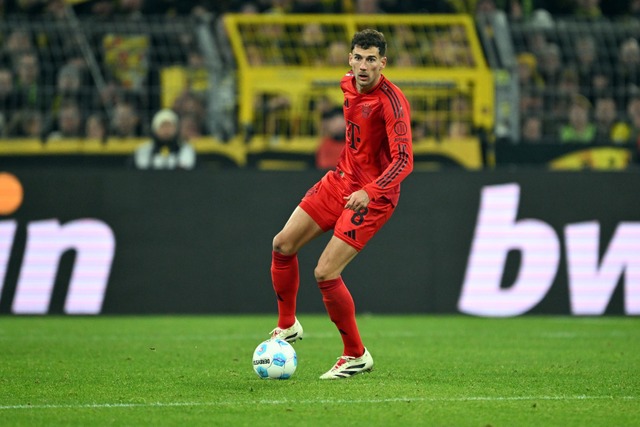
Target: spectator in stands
26	124
29	88
605	117
96	127
190	128
579	128
532	127
15	44
569	83
125	122
336	53
190	104
368	7
460	123
531	101
588	9
312	45
130	9
333	130
8	101
97	10
586	60
528	76
69	122
633	120
627	69
634	9
406	60
485	7
550	64
459	129
69	87
435	124
165	150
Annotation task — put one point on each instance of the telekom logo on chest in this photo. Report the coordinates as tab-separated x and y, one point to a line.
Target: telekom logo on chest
592	278
46	241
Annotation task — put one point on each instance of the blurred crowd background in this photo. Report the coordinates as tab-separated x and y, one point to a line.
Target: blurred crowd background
102	69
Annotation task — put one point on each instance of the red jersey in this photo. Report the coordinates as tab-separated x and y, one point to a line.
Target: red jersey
378	153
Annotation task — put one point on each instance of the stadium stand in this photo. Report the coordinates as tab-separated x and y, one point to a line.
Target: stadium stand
251	89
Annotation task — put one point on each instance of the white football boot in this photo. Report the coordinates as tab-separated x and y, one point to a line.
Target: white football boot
290	335
348	366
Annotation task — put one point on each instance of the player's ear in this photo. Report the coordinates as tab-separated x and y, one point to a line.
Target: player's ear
383	62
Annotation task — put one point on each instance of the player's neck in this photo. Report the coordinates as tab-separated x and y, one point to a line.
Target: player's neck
369	88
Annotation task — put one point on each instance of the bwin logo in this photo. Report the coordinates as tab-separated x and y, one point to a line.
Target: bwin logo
46	242
591	279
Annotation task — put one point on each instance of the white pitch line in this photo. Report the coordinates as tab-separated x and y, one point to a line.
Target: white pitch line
316	401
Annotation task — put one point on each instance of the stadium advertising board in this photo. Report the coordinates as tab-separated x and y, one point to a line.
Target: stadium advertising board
488	244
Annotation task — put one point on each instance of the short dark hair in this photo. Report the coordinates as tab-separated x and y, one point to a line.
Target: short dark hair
370	38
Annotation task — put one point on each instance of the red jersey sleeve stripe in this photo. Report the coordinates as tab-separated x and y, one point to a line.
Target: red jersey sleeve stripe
394	100
398	167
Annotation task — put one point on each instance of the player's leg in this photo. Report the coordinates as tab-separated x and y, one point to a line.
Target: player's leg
335	295
339	303
352	232
297	232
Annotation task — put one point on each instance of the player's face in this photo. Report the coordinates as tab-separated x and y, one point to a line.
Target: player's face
367	64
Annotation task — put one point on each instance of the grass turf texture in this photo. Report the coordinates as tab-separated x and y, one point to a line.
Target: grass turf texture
442	371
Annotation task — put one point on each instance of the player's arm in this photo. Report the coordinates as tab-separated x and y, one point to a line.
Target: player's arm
397	115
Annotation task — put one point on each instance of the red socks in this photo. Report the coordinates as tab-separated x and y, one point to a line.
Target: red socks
335	295
286	281
342	311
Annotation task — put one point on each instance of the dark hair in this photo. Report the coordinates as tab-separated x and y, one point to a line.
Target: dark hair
370	38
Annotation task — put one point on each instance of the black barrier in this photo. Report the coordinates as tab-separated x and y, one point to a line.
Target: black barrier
482	243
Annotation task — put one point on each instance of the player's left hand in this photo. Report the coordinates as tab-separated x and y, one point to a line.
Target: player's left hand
357	200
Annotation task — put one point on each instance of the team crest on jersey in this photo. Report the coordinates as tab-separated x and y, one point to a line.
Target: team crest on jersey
400	128
366	110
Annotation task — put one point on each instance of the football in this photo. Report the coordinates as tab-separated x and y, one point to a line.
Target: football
275	358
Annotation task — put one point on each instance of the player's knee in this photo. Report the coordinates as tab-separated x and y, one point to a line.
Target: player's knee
282	246
323	274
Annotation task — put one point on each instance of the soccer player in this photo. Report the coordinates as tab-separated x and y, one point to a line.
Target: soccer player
355	200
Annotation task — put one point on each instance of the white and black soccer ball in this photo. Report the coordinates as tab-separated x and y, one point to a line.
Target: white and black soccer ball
275	358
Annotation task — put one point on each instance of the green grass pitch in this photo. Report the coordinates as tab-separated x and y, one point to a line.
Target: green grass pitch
430	371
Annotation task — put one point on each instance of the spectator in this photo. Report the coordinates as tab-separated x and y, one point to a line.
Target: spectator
125	122
333	139
550	64
586	62
189	103
532	129
8	101
627	70
190	127
337	51
633	120
528	75
96	127
29	88
578	128
588	9
605	117
68	122
69	87
15	44
312	45
26	124
166	150
368	7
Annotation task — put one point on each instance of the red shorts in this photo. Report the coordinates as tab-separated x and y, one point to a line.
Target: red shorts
324	202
